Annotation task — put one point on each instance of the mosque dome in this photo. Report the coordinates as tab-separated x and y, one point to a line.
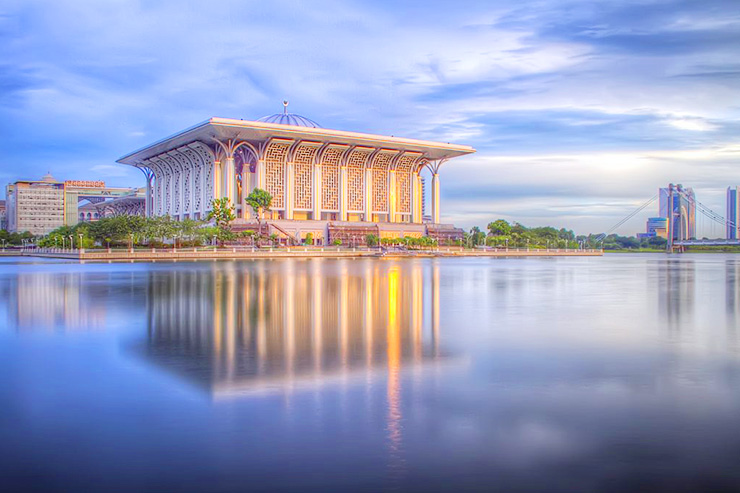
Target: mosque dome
286	118
48	178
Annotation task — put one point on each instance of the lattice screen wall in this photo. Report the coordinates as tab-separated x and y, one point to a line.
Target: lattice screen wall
356	179
275	172
403	192
303	170
330	178
380	190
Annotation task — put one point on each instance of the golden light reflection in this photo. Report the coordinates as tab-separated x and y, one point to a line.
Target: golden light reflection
250	327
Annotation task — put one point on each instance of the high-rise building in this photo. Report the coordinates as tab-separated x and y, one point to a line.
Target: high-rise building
35	206
3	216
657	226
733	213
678	206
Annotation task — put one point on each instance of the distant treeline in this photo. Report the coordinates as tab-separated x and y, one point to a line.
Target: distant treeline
516	235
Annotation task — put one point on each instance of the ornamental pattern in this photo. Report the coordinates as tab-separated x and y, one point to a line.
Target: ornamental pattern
380	189
332	156
303	172
330	188
275	172
403	192
356	179
407	161
208	162
157	189
330	160
196	177
382	160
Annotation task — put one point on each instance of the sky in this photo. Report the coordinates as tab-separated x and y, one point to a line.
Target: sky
579	110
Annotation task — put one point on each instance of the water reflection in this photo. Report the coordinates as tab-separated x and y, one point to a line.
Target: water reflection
53	301
676	286
239	328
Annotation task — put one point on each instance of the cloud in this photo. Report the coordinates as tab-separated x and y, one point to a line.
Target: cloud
588	101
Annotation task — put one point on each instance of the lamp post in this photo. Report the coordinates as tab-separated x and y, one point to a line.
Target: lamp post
79	244
64	243
71	243
507	244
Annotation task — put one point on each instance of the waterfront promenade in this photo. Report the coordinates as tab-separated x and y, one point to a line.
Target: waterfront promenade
227	253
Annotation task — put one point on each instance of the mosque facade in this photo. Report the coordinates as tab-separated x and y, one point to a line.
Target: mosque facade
321	180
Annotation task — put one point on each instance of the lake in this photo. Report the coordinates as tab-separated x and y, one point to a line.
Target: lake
618	373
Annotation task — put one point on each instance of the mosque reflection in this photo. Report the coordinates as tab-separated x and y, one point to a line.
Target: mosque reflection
244	327
54	301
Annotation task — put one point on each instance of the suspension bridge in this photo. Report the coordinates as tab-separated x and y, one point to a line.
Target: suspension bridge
681	205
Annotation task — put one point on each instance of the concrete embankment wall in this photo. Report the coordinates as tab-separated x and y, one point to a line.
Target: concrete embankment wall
235	253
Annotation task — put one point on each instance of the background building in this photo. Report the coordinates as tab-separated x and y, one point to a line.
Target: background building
35	206
3	216
732	214
656	226
42	206
678	205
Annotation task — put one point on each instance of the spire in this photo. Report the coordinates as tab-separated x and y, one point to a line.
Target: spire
285	106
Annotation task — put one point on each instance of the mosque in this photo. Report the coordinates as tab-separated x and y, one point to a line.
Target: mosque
330	183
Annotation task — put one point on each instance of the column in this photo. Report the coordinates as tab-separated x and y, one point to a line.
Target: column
368	194
229	190
392	196
289	189
148	204
343	195
435	198
260	175
181	191
217	181
171	205
317	192
246	175
162	193
415	192
203	189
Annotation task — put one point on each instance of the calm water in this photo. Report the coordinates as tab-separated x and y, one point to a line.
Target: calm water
612	374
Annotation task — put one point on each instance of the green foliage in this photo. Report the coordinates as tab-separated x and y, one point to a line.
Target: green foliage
337	242
371	240
309	239
260	201
499	227
222	213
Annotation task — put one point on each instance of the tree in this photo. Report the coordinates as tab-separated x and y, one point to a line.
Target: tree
499	227
260	201
222	214
371	240
309	239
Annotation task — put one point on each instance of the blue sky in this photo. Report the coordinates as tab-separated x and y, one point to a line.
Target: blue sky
579	110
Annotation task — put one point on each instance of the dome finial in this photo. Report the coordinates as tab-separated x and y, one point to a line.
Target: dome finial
285	106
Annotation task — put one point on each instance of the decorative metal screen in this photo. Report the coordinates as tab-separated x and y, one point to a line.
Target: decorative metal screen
356	179
380	190
330	178
355	189
403	192
303	172
330	188
407	161
275	172
157	190
207	162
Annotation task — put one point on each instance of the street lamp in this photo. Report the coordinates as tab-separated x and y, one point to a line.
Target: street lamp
79	245
71	242
507	244
64	243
